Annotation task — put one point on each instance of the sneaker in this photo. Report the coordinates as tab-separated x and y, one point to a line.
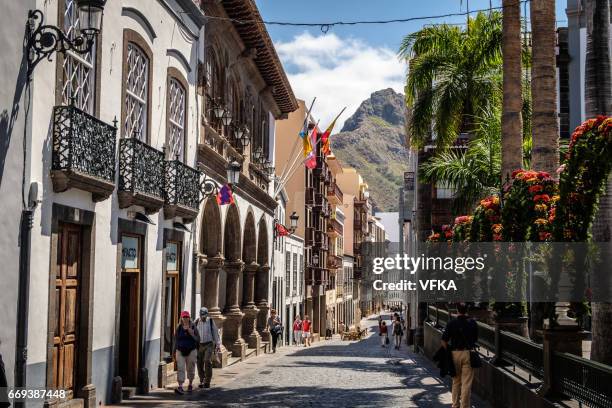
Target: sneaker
206	385
179	390
201	384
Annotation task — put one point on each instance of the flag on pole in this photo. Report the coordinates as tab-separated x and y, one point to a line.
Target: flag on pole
225	195
325	145
281	230
307	146
311	159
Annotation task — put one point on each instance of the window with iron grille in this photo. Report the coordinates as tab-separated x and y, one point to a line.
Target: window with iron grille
301	273
136	93
78	71
176	119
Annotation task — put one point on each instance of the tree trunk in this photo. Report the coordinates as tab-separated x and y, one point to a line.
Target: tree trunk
598	101
512	123
544	120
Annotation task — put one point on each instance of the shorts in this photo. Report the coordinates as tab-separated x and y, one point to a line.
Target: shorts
306	334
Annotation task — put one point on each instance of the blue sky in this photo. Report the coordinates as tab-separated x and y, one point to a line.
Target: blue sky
344	66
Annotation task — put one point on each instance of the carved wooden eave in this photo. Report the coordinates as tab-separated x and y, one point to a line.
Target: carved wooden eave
252	31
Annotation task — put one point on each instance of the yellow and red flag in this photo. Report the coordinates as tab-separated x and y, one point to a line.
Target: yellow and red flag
325	145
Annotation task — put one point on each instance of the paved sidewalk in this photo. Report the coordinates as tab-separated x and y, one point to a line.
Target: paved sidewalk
331	373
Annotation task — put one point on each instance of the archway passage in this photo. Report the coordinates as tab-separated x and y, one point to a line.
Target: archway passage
262	280
233	266
210	238
231	234
249	254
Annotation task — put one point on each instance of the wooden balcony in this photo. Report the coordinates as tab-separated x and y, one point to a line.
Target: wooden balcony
83	153
334	262
334	194
334	228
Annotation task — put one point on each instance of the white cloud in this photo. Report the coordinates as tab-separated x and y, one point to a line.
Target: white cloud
339	72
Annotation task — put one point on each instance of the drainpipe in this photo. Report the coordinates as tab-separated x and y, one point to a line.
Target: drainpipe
25	232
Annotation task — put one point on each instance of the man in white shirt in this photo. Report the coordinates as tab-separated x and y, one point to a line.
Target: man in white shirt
210	344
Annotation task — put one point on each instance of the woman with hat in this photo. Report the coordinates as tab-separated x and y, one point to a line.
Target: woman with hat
186	339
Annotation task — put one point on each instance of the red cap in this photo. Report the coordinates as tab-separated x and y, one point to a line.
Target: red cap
185	313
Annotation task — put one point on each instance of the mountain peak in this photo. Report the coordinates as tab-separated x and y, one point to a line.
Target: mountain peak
385	104
372	141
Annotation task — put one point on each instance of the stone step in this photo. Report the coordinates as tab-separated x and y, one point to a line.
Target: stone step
251	352
128	392
232	360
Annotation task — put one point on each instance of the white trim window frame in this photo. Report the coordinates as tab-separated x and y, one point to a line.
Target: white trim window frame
176	119
78	71
136	93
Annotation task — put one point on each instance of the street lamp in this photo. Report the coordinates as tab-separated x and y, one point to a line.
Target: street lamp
218	110
44	40
233	172
226	119
246	136
315	259
293	221
90	15
257	154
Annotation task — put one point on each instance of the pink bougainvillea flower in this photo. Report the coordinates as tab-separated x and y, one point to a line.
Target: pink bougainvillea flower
561	168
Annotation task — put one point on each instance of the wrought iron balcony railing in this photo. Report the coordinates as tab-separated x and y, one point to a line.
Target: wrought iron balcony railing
83	154
182	192
141	175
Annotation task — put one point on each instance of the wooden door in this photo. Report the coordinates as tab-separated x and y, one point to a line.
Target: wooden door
172	294
130	323
67	292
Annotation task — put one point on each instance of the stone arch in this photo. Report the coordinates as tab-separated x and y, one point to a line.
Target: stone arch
231	234
210	236
249	247
262	242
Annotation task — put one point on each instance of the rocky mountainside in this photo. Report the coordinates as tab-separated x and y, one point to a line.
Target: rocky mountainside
373	142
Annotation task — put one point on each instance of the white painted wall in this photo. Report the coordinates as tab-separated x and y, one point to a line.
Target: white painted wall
169	35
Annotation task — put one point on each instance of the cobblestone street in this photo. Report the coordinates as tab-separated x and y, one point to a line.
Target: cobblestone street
330	374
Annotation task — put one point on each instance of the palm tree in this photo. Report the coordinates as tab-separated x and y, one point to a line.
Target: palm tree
512	124
473	174
545	125
598	101
453	74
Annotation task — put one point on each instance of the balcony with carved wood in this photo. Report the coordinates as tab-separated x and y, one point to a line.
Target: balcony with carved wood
334	194
83	153
141	175
182	191
334	228
334	261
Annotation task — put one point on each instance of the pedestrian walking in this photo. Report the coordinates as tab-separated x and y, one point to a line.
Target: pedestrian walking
208	347
275	328
384	340
297	331
398	332
460	336
341	329
306	328
186	339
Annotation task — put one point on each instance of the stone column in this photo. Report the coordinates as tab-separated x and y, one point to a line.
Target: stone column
249	308
233	327
210	269
261	300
